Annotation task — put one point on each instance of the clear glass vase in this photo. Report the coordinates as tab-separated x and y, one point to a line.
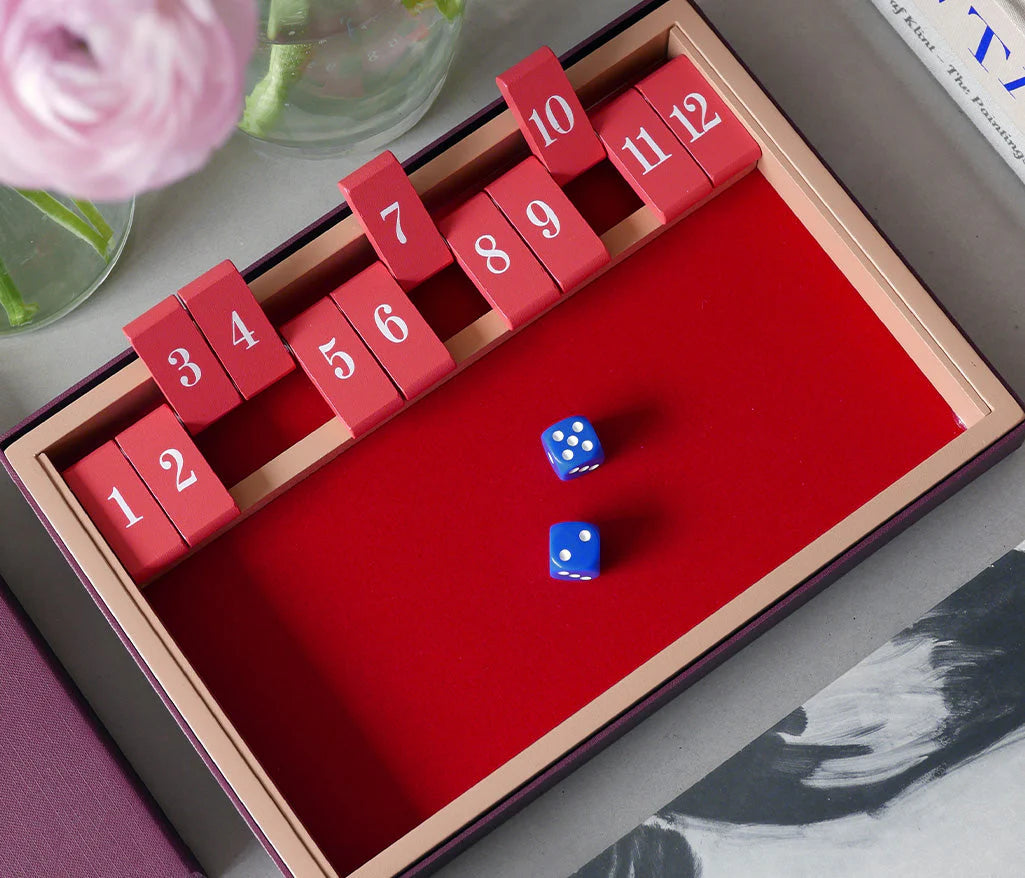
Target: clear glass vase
330	76
54	253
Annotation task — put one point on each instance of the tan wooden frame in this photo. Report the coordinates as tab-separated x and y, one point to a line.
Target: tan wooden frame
973	392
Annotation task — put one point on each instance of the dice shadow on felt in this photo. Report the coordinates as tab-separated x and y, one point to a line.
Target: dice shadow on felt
625	429
629	534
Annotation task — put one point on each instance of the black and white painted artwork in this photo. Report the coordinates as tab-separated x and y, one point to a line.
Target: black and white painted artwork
912	763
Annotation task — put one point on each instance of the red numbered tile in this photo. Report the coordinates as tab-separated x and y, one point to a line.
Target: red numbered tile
394	330
500	265
239	332
550	115
125	512
716	138
177	475
341	367
650	157
547	220
396	221
191	377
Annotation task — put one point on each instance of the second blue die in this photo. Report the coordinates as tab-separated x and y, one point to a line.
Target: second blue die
574	550
572	447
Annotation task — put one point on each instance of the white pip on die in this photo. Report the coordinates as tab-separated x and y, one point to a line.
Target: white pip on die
574	551
572	447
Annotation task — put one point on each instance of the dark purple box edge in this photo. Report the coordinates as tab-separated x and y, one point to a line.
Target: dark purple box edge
448	850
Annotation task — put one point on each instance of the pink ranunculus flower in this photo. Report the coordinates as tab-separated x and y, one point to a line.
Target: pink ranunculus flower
103	99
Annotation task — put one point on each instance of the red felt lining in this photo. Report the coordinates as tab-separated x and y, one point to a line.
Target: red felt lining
261	428
603	197
386	634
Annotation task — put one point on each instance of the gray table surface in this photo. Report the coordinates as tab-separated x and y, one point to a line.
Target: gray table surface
913	160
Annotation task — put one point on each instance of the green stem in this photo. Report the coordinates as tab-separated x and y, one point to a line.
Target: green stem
287	60
19	312
267	99
67	218
90	212
283	14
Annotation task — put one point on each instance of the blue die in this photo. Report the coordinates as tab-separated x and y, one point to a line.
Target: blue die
572	447
574	550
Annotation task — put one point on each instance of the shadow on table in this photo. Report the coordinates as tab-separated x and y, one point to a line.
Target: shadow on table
11	403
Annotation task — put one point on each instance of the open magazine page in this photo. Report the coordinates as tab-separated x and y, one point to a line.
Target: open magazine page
910	763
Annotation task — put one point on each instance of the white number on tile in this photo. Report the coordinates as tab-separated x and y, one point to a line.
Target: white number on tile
393	328
173	458
492	252
240	333
546	219
559	126
692	103
180	357
394	208
348	366
132	518
656	150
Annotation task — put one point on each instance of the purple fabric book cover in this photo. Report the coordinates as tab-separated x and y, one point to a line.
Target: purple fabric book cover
69	803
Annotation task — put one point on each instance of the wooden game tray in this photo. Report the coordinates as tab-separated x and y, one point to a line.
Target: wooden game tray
375	666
